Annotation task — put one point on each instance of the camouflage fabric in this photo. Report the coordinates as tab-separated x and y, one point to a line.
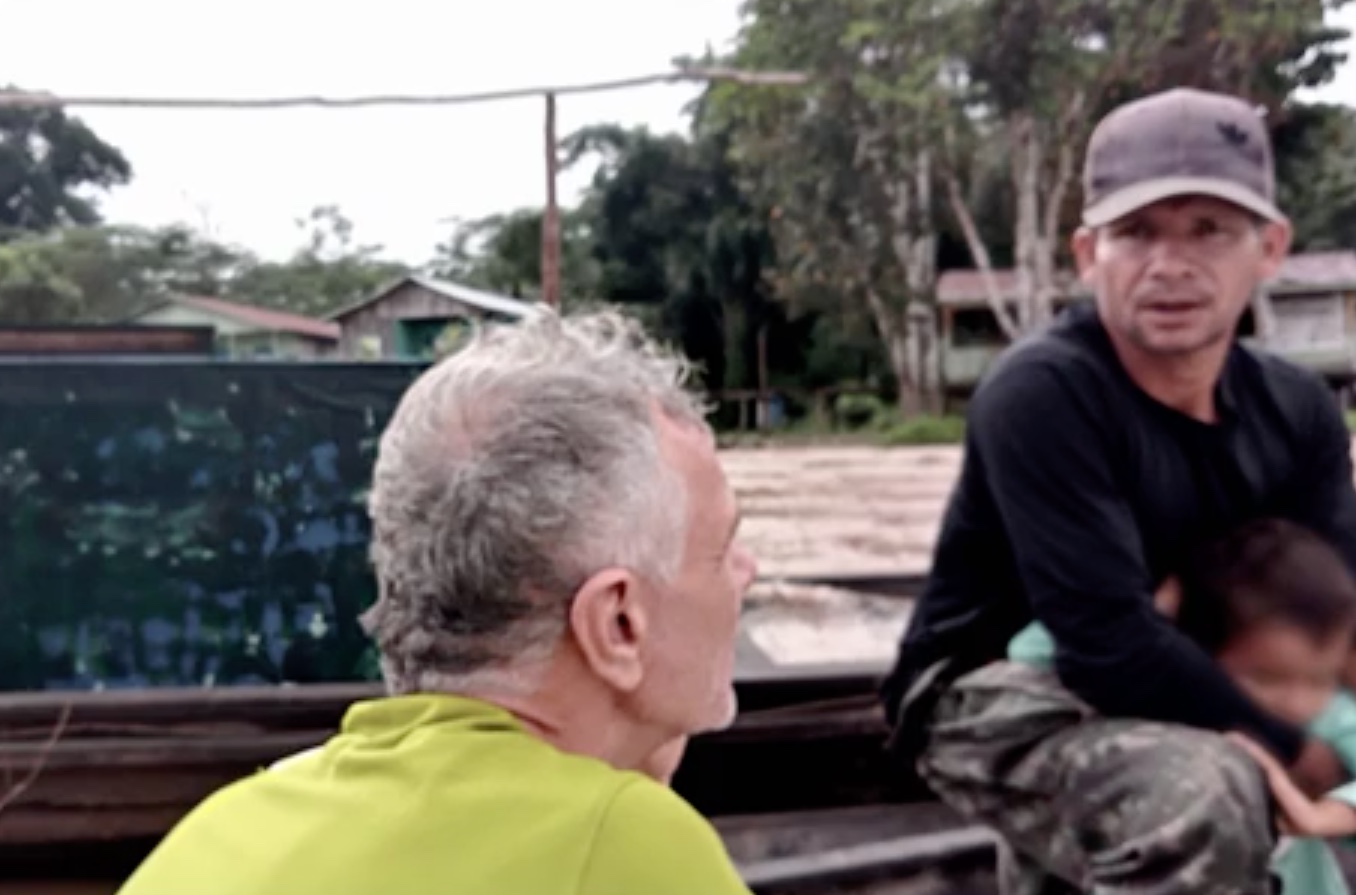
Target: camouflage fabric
1109	806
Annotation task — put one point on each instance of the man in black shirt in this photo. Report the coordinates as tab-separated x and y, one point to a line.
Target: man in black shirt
1097	453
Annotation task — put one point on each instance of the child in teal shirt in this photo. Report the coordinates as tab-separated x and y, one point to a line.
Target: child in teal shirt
1276	606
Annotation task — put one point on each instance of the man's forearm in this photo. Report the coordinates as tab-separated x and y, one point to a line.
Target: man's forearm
1169	679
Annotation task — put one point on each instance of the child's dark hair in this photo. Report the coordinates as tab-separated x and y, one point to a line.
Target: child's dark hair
1266	570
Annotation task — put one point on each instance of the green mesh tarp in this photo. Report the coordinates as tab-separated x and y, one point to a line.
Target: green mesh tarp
195	523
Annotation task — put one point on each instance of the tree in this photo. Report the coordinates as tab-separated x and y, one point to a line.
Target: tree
1316	174
915	105
105	274
46	158
1038	73
33	287
670	231
664	228
330	270
502	253
847	166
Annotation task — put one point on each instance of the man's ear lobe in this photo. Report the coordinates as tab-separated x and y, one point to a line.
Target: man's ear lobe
609	625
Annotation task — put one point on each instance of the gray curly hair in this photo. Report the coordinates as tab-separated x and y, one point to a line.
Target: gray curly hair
510	472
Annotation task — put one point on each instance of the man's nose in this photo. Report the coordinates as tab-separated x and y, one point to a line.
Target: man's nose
750	566
1169	258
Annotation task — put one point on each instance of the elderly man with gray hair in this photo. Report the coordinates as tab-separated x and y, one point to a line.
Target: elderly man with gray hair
560	583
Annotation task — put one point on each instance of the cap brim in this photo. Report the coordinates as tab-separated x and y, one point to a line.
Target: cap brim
1133	198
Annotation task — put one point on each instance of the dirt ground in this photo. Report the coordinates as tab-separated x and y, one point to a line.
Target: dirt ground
812	511
832	510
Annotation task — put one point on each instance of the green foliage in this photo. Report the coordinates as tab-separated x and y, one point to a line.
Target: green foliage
92	274
985	103
665	229
46	160
187	524
867	414
1316	174
502	253
670	228
924	430
859	411
106	273
35	285
328	272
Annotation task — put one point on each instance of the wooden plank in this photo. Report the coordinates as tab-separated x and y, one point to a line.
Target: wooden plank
272	707
127	787
873	862
221	711
106	339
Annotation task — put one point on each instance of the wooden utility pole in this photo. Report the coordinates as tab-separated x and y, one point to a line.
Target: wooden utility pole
550	218
764	410
550	223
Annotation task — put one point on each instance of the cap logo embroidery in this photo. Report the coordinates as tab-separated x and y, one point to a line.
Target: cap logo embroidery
1231	132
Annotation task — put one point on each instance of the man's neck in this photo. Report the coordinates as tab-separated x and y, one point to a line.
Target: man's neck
1186	383
576	716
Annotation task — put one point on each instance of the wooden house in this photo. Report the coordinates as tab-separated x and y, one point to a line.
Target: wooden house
246	331
1307	314
406	319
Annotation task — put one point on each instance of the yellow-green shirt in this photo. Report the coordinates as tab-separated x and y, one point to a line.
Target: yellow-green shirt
439	795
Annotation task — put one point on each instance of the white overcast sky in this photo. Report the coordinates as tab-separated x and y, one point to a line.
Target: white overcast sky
399	174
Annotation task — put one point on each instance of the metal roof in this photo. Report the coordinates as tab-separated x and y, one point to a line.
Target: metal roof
252	315
476	298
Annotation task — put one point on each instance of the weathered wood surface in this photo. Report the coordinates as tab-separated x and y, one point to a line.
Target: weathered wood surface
827	510
101	766
818	511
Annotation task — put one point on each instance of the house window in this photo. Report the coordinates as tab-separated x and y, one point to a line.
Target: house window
425	338
975	327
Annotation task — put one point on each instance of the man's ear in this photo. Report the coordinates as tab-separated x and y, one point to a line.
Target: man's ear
1084	246
609	624
1276	237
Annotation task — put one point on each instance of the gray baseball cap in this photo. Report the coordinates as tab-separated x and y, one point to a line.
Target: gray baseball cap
1177	143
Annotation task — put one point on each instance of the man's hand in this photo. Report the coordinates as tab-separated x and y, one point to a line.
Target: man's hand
1318	769
1168	597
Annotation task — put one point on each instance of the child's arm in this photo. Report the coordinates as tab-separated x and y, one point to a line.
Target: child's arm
1298	815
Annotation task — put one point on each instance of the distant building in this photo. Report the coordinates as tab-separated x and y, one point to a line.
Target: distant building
99	340
246	331
407	319
1311	306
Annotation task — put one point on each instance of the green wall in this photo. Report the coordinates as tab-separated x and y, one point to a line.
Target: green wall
186	523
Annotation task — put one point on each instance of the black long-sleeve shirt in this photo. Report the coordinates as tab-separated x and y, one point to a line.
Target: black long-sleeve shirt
1079	494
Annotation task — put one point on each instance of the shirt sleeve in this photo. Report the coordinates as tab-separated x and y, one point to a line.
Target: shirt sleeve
1324	495
652	841
1049	465
1346	794
1032	646
1336	726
